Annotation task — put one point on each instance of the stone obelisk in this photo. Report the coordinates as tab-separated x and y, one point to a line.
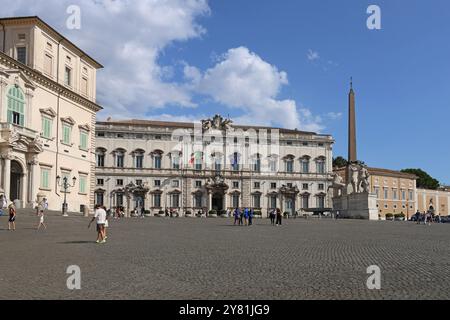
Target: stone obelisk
352	157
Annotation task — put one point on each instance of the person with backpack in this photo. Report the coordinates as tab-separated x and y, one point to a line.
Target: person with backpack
272	217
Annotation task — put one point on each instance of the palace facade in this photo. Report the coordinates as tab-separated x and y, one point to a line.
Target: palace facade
212	165
47	116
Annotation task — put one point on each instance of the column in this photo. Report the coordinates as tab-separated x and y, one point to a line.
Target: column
33	181
225	201
7	176
209	202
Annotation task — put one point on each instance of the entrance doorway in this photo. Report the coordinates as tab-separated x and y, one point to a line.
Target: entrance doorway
15	192
217	202
290	206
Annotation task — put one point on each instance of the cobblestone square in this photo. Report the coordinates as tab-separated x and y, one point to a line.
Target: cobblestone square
193	258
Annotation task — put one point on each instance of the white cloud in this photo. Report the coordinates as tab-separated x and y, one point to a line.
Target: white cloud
128	37
312	55
242	80
334	115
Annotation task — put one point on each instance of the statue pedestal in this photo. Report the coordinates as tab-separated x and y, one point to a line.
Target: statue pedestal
357	206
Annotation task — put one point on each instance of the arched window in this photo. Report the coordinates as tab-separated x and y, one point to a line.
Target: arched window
16	106
289	163
120	158
304	161
138	158
157	159
257	163
320	165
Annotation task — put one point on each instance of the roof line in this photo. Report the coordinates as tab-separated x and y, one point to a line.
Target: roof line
83	54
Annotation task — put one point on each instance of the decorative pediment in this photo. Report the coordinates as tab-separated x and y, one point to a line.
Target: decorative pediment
84	127
217	123
18	76
49	112
68	120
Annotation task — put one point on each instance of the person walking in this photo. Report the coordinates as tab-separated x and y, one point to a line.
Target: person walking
12	217
237	216
272	217
241	216
41	219
279	217
246	216
250	217
100	216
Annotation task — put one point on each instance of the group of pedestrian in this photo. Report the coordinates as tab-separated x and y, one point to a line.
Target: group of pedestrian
426	217
275	217
243	217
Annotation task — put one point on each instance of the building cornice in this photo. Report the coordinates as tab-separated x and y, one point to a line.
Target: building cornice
39	78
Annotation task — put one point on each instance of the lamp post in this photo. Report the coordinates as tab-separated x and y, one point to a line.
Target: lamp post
65	185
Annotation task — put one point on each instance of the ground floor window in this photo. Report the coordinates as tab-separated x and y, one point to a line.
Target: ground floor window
320	202
235	200
305	202
119	200
256	201
198	201
175	201
99	197
272	202
157	200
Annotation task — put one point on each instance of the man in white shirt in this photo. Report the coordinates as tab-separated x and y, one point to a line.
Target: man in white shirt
100	216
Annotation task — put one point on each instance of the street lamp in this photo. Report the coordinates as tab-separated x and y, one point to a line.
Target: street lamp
65	185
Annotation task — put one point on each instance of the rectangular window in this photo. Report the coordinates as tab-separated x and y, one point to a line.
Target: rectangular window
175	183
394	194
48	65
403	195
257	185
257	201
305	186
22	55
100	182
119	182
68	77
175	201
83	140
321	167
67	132
411	197
305	166
157	162
235	184
198	201
273	185
235	200
386	193
120	160
290	166
139	182
175	162
321	186
305	202
273	202
45	178
82	184
198	184
119	200
84	86
100	160
157	183
377	192
321	202
46	127
157	200
139	161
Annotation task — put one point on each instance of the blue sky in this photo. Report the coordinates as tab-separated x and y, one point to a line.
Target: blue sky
284	63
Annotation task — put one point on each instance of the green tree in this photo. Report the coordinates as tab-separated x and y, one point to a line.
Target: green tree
424	181
339	162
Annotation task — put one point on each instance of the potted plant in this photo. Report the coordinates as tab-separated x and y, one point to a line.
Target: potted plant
257	213
188	213
160	213
212	213
147	213
389	216
399	217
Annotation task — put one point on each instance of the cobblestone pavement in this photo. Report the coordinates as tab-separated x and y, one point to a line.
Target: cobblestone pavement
193	258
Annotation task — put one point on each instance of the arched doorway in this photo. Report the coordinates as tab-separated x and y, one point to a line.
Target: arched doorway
17	173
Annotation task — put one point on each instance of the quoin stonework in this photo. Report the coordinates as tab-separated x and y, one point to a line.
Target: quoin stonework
47	116
210	165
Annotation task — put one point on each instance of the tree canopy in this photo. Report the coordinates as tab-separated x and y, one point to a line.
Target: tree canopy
339	162
424	181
